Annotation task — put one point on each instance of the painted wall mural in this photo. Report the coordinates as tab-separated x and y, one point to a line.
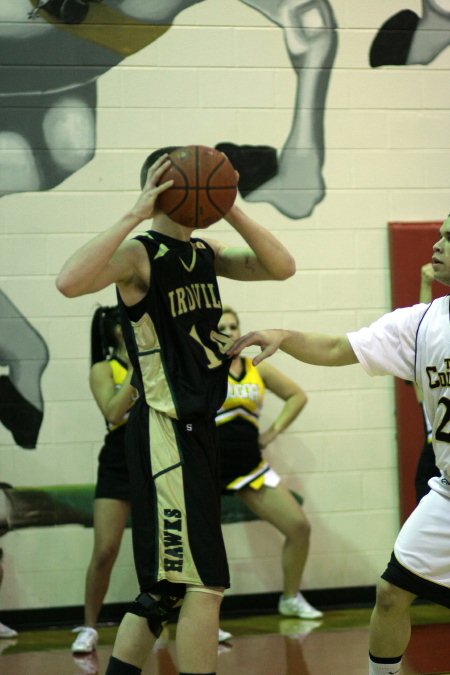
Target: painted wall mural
48	124
23	357
51	505
48	92
54	133
406	38
48	99
295	183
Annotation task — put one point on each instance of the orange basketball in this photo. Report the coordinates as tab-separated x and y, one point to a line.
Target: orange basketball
204	188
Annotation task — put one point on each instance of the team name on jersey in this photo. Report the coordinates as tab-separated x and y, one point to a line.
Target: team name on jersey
195	296
243	391
173	542
439	378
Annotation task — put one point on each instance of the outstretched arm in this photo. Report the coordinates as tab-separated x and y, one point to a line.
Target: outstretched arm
108	258
315	348
263	259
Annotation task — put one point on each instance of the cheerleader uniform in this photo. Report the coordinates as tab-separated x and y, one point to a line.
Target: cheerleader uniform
241	462
112	474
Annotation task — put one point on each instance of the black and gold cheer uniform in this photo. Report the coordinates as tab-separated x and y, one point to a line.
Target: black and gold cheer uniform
180	369
112	474
241	462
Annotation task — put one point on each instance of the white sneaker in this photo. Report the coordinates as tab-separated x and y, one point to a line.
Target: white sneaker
298	606
86	641
6	632
224	635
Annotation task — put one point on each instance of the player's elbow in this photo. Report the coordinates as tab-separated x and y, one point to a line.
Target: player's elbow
114	419
66	286
341	353
301	399
286	270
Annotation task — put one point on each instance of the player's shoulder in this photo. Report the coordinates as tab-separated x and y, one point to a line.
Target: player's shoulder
132	247
100	370
101	365
140	240
211	245
440	307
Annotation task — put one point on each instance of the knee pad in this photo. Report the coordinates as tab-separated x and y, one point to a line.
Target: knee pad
157	612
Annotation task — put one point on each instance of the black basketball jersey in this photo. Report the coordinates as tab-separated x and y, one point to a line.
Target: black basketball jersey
171	335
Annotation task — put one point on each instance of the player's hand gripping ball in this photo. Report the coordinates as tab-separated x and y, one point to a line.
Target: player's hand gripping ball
204	187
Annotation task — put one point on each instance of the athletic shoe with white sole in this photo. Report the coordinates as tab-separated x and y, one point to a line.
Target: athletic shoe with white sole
86	640
7	632
298	606
224	635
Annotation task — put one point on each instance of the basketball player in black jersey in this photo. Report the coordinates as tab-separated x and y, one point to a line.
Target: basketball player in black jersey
170	304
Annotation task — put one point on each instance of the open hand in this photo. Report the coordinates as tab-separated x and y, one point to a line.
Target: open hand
145	205
268	340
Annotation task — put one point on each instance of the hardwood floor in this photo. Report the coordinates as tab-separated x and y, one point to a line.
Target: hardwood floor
261	645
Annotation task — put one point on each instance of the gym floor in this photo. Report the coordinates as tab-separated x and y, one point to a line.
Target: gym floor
261	645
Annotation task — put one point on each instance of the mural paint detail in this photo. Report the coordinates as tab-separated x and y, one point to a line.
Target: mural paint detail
48	85
406	39
24	355
48	114
54	52
310	36
52	505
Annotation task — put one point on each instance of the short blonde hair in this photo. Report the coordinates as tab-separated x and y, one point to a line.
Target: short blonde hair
227	309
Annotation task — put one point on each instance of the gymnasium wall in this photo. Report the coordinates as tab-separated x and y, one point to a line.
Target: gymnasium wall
359	129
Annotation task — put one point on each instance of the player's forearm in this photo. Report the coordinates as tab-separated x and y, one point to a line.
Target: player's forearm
318	349
270	253
80	273
120	403
425	294
291	409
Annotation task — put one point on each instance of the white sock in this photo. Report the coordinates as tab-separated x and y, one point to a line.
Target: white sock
388	667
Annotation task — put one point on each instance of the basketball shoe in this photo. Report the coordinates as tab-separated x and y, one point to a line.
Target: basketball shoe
6	632
298	606
224	635
86	640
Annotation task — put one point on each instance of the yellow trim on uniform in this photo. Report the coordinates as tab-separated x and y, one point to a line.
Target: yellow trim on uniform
162	250
254	479
119	373
244	397
190	267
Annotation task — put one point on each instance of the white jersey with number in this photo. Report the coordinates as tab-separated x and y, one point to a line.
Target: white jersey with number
413	343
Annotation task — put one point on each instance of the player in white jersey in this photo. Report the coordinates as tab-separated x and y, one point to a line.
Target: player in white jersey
412	343
426	465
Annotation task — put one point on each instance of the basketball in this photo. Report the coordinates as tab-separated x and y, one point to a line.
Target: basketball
204	188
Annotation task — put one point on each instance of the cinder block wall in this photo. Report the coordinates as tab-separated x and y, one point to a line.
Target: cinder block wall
222	73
